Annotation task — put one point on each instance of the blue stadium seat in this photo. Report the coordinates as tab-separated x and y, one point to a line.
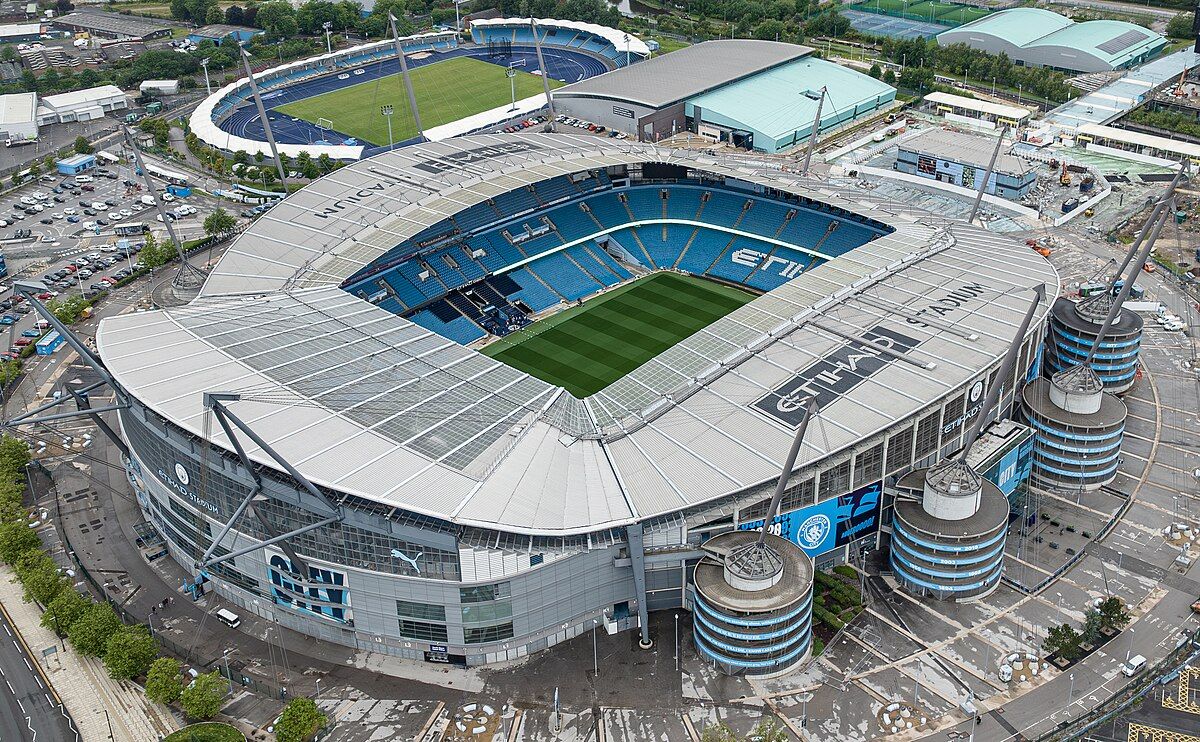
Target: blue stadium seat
561	274
461	330
532	294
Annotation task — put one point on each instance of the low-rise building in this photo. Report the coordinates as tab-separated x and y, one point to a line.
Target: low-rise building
18	119
13	33
961	159
159	87
114	25
977	112
81	105
219	32
76	164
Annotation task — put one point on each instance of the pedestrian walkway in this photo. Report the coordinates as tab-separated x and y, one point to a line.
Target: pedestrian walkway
93	698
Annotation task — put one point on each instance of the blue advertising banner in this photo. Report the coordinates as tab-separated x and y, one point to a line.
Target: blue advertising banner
830	524
1013	468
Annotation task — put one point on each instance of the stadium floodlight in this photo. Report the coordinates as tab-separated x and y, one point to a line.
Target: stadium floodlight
511	74
387	112
207	85
328	26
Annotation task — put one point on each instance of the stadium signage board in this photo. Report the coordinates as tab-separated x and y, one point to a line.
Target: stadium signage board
828	525
835	374
626	112
956	299
466	157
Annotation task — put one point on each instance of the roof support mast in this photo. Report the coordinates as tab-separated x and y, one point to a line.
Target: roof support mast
188	276
408	88
812	136
537	46
262	114
987	174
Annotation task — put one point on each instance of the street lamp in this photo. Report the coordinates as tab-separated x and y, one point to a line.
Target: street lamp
595	655
511	74
207	84
317	695
676	642
228	675
387	112
328	26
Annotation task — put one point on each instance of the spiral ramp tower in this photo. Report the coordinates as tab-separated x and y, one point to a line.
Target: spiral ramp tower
1074	328
949	523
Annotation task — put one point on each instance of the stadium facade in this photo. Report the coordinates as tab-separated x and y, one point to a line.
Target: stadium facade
484	513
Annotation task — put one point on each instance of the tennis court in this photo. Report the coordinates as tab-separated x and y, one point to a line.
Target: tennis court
586	348
891	26
932	12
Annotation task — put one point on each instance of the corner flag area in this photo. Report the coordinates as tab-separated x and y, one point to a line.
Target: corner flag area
446	92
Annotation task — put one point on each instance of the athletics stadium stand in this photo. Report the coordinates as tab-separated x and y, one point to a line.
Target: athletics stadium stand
617	47
487	268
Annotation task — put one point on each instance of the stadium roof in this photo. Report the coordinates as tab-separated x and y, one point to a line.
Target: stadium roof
617	38
686	72
368	403
1112	41
967	149
1018	26
784	98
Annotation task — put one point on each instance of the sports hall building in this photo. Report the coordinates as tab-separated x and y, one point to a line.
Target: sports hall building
483	513
1034	37
762	95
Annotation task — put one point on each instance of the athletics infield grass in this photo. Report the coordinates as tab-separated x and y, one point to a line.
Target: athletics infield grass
586	348
446	91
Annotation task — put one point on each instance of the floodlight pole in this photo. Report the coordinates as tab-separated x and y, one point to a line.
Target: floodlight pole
511	74
537	47
812	136
387	112
328	42
412	97
207	85
262	114
987	174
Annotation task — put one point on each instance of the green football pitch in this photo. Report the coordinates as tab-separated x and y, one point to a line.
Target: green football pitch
446	91
586	348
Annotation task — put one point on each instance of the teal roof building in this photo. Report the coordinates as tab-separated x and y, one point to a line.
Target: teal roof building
778	107
1040	38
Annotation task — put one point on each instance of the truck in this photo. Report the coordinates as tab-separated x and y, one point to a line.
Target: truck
19	141
154	107
1153	307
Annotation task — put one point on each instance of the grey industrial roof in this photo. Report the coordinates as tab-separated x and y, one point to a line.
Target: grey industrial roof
693	70
18	108
366	402
968	149
115	23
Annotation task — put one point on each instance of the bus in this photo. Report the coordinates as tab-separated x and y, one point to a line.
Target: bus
127	229
172	177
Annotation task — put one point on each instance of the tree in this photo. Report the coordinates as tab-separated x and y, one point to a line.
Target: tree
91	631
214	15
82	147
62	612
768	731
719	732
234	15
204	697
1092	623
1064	641
130	652
1179	27
310	170
40	577
875	71
35	169
163	681
278	19
219	222
16	539
300	720
889	77
1113	614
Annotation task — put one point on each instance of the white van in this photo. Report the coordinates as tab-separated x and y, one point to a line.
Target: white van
84	179
1133	666
229	618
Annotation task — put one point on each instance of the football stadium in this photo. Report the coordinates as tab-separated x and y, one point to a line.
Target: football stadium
463	401
331	104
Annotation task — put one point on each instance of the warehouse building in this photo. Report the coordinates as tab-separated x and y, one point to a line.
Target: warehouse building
733	90
81	105
960	159
13	33
982	113
1040	38
18	116
775	110
114	25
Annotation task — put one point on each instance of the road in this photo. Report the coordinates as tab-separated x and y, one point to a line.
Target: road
28	711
